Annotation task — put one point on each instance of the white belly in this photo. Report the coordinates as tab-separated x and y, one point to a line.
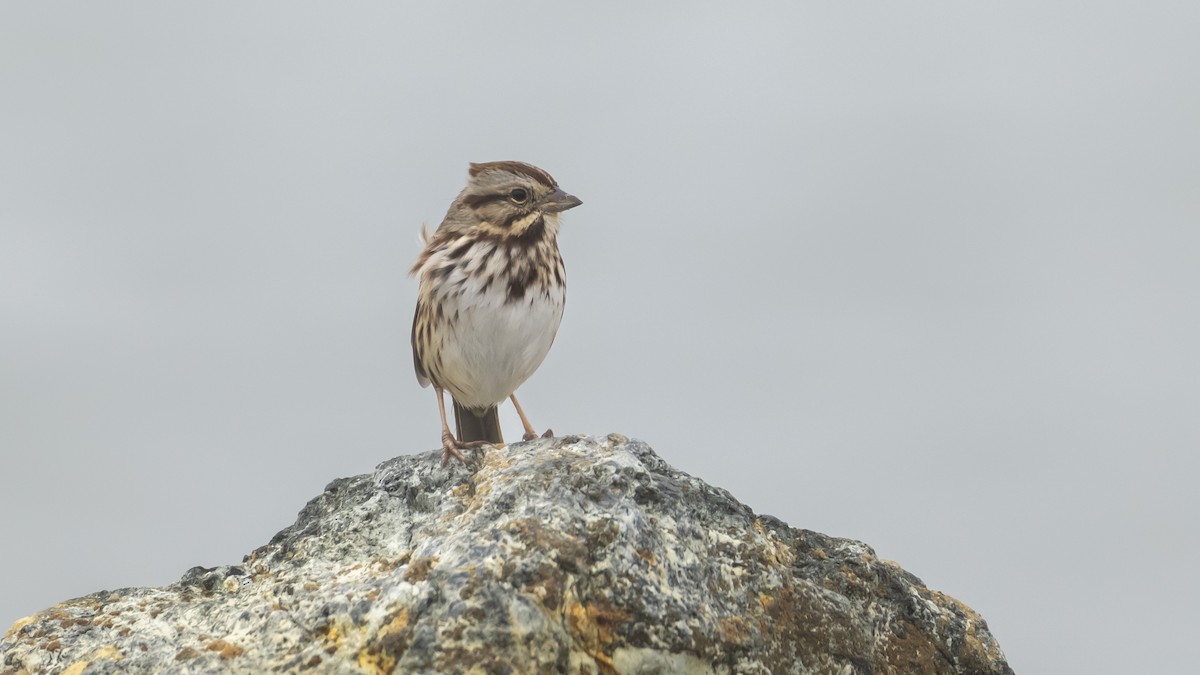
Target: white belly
497	345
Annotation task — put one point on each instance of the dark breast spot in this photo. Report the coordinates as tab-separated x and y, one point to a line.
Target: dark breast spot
519	283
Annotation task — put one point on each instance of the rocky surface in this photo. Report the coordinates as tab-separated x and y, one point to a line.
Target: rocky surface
565	555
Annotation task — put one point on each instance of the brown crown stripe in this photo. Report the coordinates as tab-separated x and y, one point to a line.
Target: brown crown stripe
519	168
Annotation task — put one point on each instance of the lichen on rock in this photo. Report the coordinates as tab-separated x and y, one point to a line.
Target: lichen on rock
565	555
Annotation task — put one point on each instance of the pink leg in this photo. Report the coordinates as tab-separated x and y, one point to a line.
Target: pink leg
530	434
450	446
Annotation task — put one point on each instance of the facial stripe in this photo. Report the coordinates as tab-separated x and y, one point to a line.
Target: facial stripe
520	222
476	201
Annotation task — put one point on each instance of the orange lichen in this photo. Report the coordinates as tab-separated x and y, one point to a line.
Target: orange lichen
225	649
387	645
419	568
734	630
594	626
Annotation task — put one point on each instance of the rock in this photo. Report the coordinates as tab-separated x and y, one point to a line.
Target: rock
563	555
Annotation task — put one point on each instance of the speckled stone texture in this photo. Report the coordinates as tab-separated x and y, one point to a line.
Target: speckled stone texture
563	555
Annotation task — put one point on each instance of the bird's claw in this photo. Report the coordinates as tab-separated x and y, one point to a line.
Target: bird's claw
532	435
451	447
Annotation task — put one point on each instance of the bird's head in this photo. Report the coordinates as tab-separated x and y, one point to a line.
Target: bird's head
513	200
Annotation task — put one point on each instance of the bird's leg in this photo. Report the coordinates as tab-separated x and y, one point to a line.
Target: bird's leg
530	434
450	445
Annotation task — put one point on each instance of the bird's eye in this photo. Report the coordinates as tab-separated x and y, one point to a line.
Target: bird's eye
519	195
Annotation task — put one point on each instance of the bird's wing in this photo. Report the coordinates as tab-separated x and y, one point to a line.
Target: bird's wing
422	377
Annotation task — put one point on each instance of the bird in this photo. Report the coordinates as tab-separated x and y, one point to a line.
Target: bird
491	294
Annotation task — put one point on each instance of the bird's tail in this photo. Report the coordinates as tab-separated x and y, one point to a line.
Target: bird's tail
477	425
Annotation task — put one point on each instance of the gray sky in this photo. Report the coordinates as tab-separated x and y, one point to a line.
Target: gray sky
923	275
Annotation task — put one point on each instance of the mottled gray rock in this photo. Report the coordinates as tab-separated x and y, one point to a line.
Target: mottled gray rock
565	555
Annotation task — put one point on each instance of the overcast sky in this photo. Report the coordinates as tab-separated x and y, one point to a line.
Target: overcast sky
925	275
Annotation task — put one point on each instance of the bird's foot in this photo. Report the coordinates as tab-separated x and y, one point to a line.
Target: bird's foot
451	447
531	435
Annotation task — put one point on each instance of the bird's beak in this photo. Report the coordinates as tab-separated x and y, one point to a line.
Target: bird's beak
558	201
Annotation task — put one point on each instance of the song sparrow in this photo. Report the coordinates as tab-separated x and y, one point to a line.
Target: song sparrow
492	292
